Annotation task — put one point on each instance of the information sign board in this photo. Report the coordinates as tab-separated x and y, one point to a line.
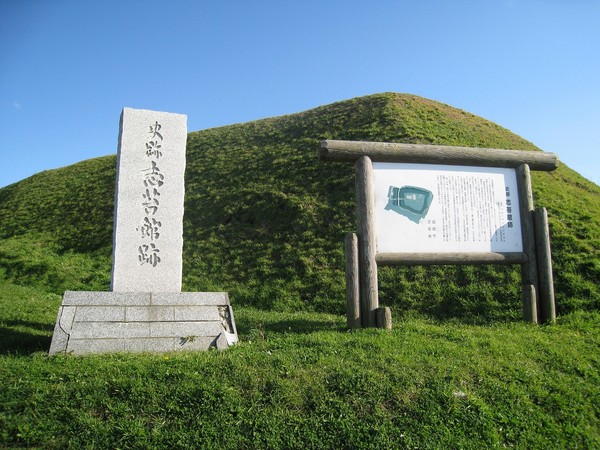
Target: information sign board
429	208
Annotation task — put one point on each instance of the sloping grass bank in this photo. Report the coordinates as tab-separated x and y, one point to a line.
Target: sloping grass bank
300	380
265	220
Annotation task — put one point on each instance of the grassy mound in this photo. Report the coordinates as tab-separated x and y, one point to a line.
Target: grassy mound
265	220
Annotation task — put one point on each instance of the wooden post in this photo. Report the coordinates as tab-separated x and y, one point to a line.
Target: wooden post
529	303
547	312
352	282
365	218
384	318
529	272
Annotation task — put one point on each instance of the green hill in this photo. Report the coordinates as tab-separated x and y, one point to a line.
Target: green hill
265	220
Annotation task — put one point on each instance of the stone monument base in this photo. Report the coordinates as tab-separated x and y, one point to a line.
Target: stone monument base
103	322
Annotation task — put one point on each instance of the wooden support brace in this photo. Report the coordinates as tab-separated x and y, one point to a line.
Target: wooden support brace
350	151
530	313
529	272
384	318
430	259
352	282
547	310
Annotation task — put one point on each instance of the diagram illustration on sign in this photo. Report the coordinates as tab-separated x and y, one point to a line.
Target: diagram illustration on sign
409	201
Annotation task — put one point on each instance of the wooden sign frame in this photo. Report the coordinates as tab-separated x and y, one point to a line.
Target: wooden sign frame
362	258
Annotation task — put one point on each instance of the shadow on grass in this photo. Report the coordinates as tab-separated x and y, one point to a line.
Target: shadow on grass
296	326
19	337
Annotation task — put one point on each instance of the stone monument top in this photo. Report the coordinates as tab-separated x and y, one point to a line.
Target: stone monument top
148	229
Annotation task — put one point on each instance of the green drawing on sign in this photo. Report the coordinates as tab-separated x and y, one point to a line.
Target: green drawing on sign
409	201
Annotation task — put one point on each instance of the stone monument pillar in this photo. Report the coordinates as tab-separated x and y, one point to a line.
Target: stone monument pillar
148	230
146	310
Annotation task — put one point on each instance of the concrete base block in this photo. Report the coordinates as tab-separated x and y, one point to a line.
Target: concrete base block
104	322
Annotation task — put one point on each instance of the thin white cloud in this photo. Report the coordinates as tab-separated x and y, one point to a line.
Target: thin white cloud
17	105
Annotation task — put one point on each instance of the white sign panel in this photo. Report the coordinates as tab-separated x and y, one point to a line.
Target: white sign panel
424	208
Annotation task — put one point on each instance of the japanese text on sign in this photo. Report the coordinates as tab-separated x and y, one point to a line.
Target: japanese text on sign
151	181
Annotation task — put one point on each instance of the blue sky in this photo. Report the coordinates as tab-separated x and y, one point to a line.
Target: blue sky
68	67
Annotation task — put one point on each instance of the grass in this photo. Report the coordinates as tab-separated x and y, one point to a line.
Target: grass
300	380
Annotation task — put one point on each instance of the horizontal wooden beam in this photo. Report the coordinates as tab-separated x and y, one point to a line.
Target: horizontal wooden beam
350	151
430	259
